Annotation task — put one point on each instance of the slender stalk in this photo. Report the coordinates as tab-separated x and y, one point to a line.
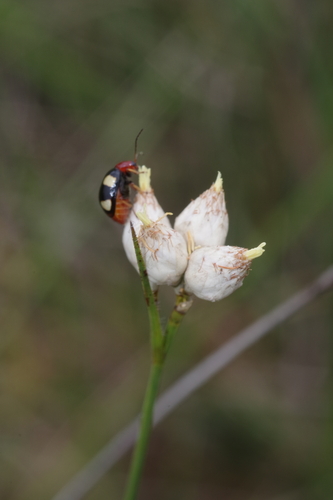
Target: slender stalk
182	305
144	434
159	346
158	356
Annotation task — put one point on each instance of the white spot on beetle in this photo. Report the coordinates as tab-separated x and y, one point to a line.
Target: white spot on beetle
106	204
109	181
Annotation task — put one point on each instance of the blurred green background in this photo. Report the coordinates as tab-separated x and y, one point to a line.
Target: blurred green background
245	87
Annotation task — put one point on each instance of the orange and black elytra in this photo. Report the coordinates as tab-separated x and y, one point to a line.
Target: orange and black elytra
114	193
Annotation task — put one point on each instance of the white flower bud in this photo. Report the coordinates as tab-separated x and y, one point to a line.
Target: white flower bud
215	272
145	201
205	219
164	252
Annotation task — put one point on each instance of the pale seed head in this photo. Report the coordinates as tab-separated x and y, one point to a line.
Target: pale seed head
164	252
206	217
145	201
215	272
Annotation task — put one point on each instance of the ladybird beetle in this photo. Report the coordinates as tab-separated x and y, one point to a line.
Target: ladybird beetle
114	192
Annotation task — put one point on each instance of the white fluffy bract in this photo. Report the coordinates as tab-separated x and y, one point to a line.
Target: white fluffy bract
206	218
143	202
164	252
215	272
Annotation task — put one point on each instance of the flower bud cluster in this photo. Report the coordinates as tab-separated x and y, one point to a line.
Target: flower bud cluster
192	255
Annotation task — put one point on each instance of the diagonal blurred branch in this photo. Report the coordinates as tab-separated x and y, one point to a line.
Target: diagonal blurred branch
82	482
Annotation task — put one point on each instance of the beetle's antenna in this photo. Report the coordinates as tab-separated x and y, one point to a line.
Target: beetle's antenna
136	145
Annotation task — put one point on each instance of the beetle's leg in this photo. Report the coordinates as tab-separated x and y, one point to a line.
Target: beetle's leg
134	186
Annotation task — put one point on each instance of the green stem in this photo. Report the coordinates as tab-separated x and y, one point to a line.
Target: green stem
182	305
145	429
159	345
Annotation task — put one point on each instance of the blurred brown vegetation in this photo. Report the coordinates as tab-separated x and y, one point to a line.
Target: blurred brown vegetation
245	87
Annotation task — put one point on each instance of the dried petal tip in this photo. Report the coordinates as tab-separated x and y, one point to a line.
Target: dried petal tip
143	217
254	252
218	184
144	179
146	221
